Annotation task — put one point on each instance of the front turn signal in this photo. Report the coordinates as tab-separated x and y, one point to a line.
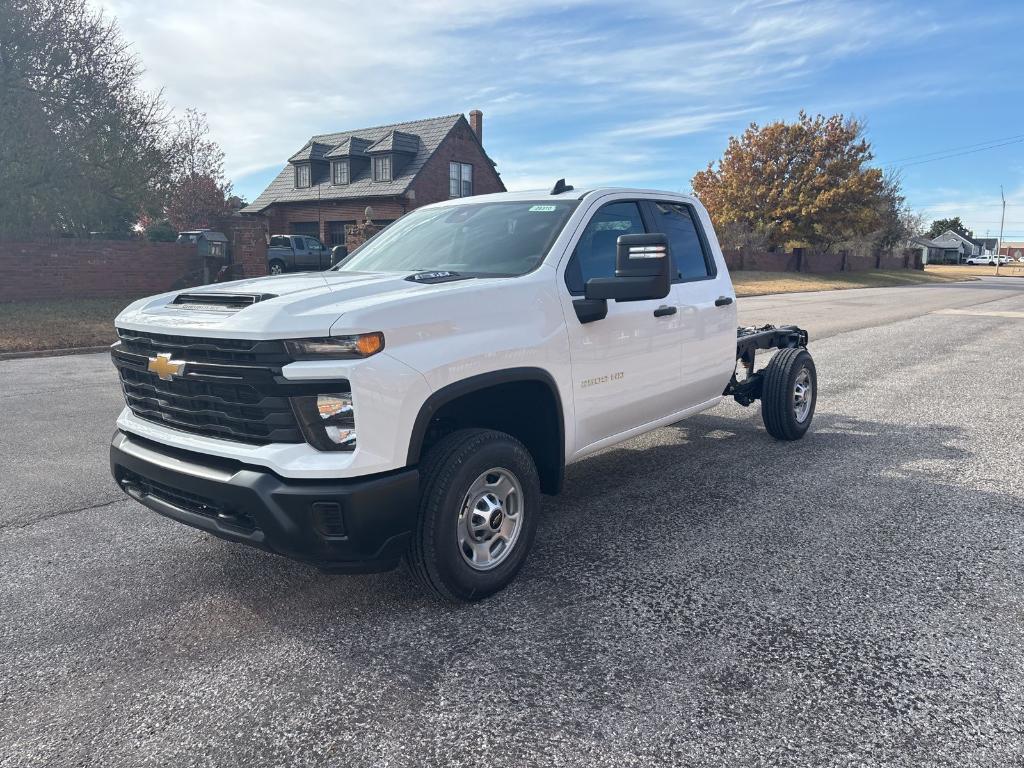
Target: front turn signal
336	347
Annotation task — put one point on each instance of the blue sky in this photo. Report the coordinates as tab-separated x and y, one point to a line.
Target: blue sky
626	93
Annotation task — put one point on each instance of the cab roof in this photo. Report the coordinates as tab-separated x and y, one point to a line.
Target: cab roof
540	195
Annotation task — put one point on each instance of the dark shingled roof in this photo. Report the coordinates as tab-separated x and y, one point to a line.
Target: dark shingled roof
353	146
314	150
427	135
396	141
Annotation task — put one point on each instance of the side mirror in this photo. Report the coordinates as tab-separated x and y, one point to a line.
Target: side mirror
338	253
642	271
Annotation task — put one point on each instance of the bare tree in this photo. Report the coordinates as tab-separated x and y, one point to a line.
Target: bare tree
197	192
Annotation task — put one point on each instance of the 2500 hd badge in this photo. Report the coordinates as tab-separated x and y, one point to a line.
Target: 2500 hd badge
602	379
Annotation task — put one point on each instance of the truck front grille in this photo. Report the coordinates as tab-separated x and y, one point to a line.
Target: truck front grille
227	389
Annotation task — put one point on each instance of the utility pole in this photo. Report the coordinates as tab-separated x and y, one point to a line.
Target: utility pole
1002	219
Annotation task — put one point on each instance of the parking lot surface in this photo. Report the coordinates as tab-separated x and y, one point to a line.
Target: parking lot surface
702	595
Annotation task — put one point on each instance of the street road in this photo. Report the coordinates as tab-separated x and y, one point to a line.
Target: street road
702	595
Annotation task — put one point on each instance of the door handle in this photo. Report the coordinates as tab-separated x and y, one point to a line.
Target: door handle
723	301
664	310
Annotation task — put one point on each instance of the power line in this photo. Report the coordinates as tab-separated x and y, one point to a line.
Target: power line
954	149
957	154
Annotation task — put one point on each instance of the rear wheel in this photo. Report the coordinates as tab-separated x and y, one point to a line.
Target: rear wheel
479	504
277	267
789	393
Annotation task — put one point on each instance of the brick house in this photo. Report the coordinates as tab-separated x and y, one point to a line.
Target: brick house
328	184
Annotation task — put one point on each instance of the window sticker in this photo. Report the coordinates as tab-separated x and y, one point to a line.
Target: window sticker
542	208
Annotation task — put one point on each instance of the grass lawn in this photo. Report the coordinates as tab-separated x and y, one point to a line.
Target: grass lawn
755	283
32	325
964	271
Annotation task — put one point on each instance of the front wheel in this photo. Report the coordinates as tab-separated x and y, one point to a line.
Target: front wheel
479	504
789	392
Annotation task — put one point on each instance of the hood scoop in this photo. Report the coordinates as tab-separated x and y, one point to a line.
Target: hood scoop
219	302
439	276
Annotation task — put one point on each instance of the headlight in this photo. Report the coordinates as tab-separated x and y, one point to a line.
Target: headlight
336	347
328	421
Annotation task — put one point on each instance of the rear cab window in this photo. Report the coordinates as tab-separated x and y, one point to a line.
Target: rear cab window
691	256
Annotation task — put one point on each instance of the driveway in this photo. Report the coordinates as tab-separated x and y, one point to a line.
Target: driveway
700	595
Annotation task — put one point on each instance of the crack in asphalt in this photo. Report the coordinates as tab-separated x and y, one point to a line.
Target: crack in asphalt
22	524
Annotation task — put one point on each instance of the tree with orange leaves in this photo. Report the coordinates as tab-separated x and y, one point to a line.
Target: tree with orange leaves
805	183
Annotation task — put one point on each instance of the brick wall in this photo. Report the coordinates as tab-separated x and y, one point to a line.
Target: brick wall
819	263
247	244
461	146
65	268
761	260
357	234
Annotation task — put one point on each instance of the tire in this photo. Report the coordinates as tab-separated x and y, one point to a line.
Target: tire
451	528
785	416
276	267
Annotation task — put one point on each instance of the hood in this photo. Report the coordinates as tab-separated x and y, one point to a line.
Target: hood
282	306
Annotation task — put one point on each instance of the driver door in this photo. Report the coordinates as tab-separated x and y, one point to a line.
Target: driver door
625	368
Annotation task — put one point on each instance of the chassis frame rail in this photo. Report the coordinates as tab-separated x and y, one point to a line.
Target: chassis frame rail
748	341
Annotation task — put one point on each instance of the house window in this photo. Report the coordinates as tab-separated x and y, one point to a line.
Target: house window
302	175
382	168
339	172
460	179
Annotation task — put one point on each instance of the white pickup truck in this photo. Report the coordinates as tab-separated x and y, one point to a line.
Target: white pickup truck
417	399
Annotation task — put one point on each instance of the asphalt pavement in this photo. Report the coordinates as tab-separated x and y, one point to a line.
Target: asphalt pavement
702	595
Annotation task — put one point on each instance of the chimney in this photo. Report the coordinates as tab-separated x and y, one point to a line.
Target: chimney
476	122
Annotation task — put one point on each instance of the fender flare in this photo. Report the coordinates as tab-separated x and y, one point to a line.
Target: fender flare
457	389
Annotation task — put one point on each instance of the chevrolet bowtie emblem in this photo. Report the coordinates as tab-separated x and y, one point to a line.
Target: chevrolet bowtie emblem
164	367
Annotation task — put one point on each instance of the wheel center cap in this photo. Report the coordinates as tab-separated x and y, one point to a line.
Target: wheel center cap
496	517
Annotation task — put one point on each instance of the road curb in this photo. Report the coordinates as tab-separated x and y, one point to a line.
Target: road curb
53	352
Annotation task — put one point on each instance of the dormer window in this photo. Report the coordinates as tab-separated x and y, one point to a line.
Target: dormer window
382	168
302	173
339	172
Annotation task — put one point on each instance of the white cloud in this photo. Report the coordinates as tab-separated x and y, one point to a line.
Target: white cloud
572	81
979	212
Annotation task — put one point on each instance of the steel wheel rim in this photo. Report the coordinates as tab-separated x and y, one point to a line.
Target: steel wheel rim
275	269
803	394
490	519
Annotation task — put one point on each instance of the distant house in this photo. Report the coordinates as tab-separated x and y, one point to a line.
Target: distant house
937	251
986	245
964	247
1014	251
331	180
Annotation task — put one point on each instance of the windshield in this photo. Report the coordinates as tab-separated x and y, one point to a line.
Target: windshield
484	239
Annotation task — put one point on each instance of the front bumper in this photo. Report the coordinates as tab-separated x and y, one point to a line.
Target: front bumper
354	526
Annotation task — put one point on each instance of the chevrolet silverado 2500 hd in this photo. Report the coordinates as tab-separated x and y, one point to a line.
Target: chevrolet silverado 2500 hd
417	399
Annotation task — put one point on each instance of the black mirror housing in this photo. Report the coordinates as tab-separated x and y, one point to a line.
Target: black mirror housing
642	270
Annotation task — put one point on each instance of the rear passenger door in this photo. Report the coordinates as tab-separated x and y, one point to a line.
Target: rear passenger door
704	294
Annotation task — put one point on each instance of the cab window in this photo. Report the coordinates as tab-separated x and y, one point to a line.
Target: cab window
595	252
690	258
